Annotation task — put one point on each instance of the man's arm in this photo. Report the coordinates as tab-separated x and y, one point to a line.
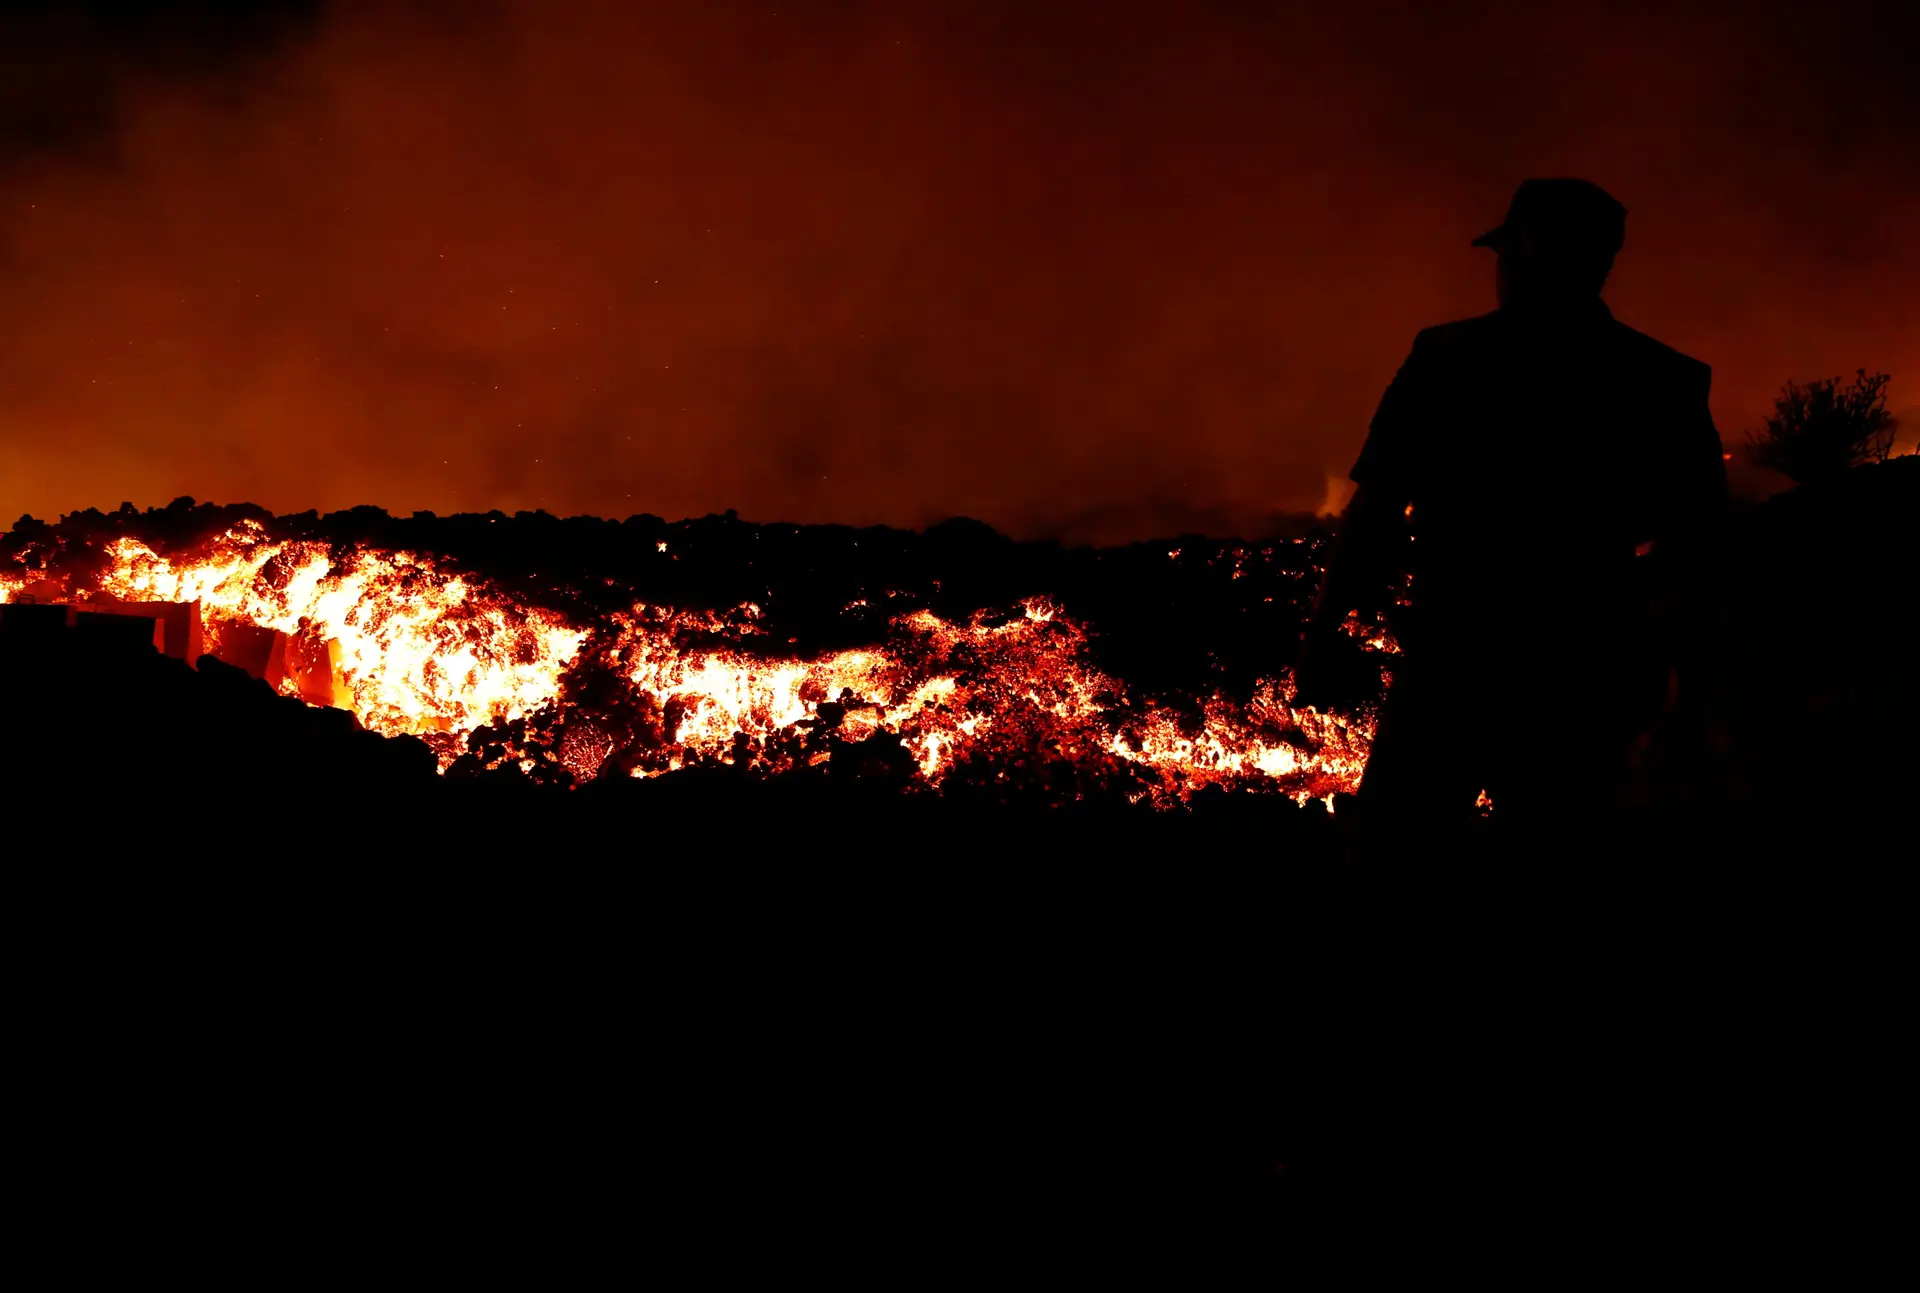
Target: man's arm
1360	569
1366	556
1367	550
1366	553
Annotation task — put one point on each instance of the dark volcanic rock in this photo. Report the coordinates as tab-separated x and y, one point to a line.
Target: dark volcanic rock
101	729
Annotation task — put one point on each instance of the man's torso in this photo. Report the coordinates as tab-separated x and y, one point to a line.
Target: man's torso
1537	458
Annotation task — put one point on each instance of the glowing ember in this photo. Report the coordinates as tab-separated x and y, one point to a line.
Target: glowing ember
426	652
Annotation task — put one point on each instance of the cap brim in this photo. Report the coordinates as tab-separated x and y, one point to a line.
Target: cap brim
1492	237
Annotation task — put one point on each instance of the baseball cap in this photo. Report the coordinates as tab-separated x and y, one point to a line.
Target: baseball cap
1565	213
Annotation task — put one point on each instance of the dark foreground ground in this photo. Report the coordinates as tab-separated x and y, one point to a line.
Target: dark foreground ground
1046	1056
328	1005
888	1045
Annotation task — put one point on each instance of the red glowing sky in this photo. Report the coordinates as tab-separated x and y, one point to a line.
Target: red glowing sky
1102	270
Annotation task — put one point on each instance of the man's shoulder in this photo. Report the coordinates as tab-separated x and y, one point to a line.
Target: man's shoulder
1658	355
1461	334
1495	333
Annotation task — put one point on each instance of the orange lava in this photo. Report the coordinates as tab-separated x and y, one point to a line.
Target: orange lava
423	651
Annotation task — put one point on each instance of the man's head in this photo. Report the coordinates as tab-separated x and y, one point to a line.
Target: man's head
1557	243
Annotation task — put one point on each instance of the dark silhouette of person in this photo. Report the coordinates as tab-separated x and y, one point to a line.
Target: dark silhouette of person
1548	479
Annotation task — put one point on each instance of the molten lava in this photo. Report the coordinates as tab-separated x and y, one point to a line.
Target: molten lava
490	680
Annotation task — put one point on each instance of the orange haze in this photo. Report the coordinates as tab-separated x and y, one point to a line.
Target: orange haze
1062	270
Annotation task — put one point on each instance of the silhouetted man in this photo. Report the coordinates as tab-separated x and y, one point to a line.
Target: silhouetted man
1547	476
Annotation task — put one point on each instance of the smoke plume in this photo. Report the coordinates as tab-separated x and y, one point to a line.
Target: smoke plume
1085	269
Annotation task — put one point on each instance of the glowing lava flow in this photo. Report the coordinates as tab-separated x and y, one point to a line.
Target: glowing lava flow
422	651
949	690
419	650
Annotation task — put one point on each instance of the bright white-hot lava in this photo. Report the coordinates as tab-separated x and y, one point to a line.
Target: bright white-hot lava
424	651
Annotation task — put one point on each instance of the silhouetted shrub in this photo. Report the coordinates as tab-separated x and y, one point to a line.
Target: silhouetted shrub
1823	429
